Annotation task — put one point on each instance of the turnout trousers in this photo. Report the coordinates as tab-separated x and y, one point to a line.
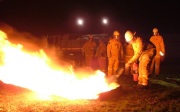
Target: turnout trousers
144	66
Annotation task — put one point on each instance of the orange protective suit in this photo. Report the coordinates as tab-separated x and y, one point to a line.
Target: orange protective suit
101	55
158	41
144	51
128	53
114	53
89	49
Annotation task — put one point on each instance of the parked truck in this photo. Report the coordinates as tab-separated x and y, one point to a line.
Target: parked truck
70	46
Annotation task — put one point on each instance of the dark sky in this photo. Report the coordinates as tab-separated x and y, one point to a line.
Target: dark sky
51	17
59	16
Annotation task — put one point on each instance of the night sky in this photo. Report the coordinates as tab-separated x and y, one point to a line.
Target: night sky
49	17
59	16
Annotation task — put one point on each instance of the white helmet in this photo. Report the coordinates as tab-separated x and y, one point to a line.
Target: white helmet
128	36
155	30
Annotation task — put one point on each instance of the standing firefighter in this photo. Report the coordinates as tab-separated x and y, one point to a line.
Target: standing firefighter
158	41
114	53
89	49
101	55
144	52
128	53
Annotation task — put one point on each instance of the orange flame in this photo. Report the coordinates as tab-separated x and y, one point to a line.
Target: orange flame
37	72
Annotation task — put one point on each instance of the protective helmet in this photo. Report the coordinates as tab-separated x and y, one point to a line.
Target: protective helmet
116	33
128	36
155	30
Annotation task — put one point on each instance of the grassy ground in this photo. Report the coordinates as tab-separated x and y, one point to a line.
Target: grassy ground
162	96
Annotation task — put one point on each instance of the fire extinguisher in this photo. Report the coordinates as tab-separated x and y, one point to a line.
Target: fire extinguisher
135	71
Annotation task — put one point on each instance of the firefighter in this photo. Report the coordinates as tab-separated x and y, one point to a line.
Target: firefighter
114	53
158	41
144	52
128	53
101	55
89	49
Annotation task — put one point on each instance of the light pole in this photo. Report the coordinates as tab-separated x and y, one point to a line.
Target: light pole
105	22
80	23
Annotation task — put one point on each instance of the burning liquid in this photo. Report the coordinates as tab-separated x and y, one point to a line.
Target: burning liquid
37	72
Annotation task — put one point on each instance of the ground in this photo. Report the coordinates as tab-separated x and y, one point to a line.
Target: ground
162	96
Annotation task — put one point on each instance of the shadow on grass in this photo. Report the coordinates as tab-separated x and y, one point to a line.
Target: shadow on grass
125	89
111	95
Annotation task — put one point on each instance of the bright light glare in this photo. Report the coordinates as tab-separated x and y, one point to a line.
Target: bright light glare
105	21
80	21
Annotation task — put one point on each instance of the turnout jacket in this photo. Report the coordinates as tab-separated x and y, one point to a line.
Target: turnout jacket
139	46
158	41
115	49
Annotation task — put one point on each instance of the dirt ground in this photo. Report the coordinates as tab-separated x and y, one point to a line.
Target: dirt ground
162	96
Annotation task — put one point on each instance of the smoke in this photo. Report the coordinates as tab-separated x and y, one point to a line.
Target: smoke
29	41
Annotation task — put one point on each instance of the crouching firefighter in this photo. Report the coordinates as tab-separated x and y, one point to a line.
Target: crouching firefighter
144	52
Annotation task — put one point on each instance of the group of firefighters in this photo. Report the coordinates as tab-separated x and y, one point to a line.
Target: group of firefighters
140	56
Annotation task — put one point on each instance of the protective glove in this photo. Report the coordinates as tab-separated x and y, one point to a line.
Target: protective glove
127	65
162	56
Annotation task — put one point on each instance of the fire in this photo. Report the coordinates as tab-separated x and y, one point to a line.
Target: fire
37	72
